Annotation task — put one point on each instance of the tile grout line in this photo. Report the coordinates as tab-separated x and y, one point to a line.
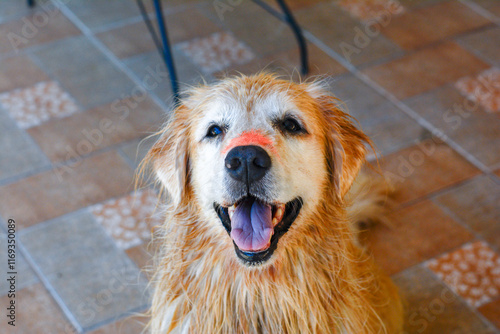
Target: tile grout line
481	11
107	53
400	105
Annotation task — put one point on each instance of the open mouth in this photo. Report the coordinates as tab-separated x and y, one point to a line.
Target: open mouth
256	226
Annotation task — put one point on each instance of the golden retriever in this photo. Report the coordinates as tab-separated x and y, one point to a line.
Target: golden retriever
257	238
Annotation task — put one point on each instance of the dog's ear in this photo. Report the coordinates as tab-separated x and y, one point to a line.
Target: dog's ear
345	143
169	156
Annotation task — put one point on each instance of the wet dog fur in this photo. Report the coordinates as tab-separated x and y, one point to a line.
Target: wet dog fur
317	279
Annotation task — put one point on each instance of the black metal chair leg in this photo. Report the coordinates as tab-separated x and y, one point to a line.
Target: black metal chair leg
167	51
31	3
304	65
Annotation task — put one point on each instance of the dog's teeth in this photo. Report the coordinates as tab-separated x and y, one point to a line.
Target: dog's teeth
275	221
279	213
230	210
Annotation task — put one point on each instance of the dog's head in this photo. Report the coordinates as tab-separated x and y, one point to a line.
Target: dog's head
258	154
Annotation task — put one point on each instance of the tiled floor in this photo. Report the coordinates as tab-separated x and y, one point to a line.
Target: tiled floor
81	85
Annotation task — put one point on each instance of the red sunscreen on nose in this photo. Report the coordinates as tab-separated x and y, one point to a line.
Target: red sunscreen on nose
252	137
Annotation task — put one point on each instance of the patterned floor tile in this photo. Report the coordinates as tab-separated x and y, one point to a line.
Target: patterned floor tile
19	72
216	52
491	311
345	35
473	272
84	72
372	9
93	278
37	104
129	219
432	308
430	24
25	276
424	168
98	128
475	203
480	43
443	63
36	312
462	120
43	25
484	89
66	188
418	233
18	153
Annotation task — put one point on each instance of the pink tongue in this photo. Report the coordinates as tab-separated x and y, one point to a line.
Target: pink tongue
251	225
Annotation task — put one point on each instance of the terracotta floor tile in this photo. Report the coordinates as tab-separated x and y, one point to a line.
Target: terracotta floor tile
98	128
426	25
483	88
354	94
473	272
36	312
130	220
492	312
424	168
38	28
94	280
216	52
371	9
19	72
37	104
65	189
464	121
143	257
345	35
443	63
131	325
481	44
475	203
84	71
432	308
417	233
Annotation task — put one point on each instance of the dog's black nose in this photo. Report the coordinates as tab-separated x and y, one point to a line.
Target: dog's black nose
247	163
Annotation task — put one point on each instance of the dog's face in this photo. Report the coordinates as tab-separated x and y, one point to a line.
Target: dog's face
258	155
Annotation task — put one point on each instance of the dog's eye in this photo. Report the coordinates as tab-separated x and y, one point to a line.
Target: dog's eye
214	131
291	125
